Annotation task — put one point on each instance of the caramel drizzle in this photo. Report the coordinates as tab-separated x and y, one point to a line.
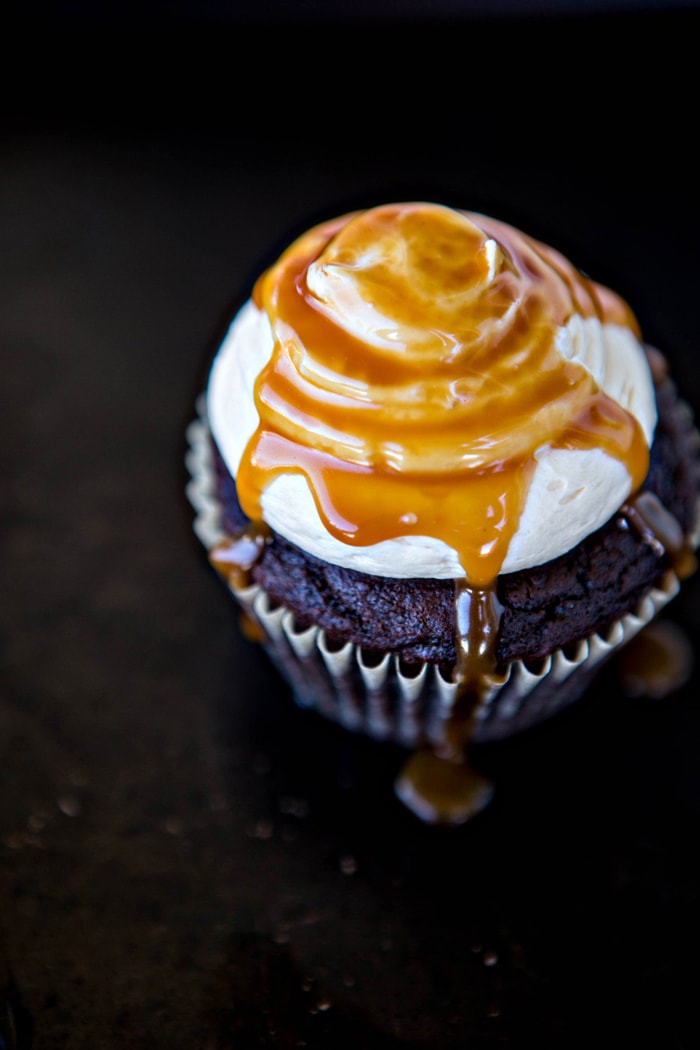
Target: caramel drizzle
359	421
478	615
235	557
661	531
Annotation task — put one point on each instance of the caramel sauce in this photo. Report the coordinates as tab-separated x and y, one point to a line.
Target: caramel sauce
661	531
427	425
438	783
440	791
425	418
478	617
656	662
235	556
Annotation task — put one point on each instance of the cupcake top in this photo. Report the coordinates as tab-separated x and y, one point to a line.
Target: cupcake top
416	391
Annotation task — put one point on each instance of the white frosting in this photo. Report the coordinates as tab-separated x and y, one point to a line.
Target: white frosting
573	492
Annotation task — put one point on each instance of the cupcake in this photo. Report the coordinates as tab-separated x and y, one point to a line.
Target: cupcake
445	479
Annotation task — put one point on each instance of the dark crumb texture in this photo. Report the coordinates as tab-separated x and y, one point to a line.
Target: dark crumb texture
544	609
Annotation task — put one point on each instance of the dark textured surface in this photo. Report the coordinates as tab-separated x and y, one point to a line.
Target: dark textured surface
186	860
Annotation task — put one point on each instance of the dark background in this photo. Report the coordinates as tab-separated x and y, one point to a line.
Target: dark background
186	860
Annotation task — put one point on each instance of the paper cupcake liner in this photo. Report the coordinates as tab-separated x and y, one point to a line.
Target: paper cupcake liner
384	699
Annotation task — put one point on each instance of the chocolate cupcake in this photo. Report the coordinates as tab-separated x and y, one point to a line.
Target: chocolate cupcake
443	474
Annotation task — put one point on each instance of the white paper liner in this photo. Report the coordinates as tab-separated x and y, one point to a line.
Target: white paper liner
382	699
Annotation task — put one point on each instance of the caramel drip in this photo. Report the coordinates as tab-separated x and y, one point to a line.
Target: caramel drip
478	617
477	624
234	557
658	528
439	784
658	661
441	791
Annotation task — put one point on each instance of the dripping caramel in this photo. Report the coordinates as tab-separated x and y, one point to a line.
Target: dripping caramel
234	557
661	531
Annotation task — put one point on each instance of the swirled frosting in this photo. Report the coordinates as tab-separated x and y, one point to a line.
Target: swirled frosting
414	390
